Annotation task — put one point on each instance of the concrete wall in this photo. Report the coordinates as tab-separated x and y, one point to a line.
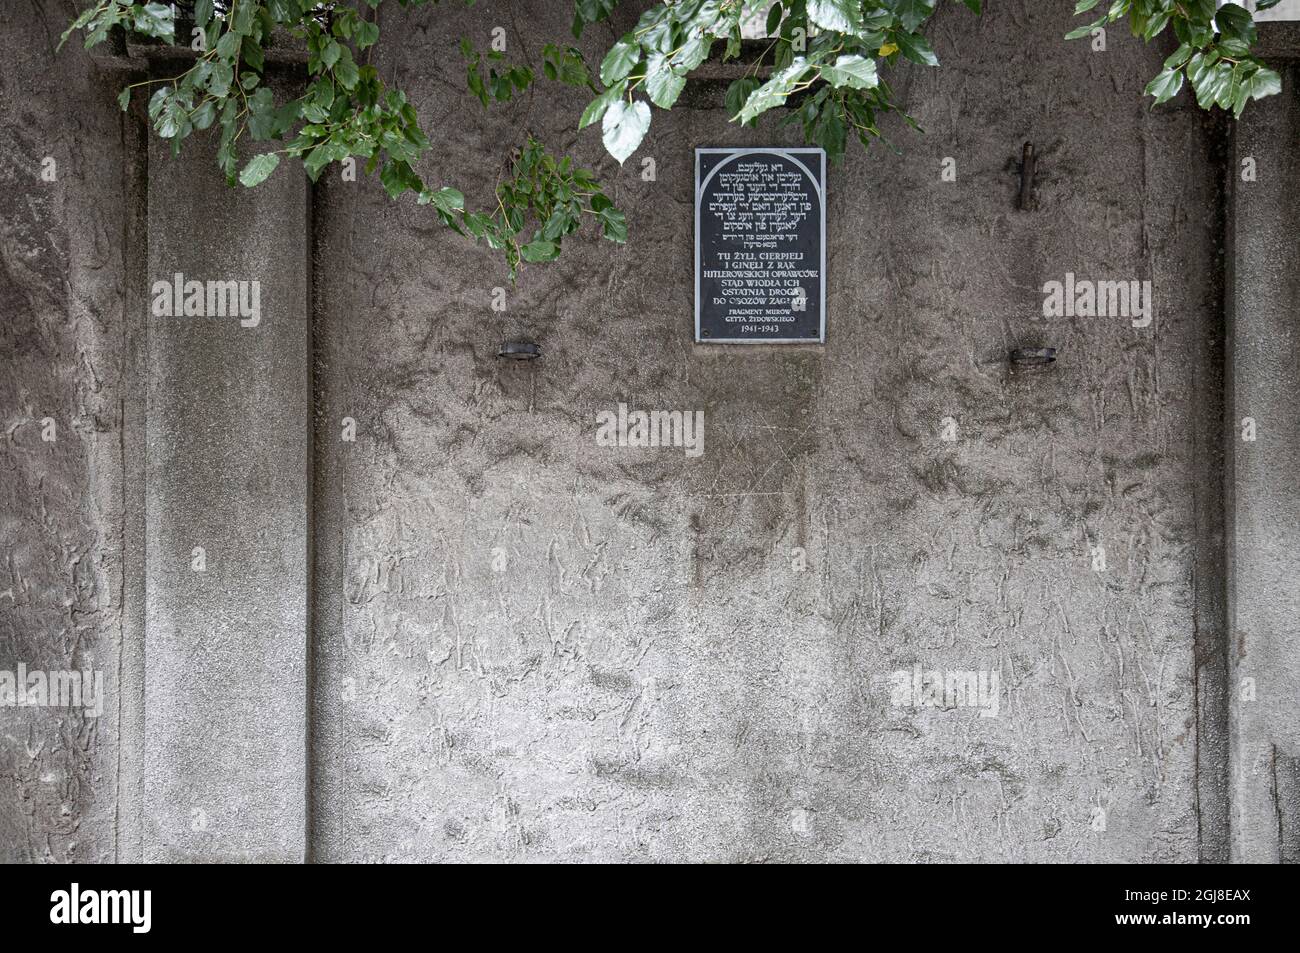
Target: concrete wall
1285	10
63	328
1265	527
226	517
524	646
649	678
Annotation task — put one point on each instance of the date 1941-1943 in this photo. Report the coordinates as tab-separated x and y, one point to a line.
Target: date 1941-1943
1186	896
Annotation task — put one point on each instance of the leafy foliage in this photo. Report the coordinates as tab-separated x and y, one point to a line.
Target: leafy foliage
551	192
822	59
347	112
828	48
1213	53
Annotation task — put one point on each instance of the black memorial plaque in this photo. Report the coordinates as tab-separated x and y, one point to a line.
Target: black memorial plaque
760	246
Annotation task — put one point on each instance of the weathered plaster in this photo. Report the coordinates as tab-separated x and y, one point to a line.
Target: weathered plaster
649	679
62	289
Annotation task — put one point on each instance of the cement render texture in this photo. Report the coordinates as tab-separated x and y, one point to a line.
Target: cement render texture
649	678
473	634
1262	481
229	455
62	347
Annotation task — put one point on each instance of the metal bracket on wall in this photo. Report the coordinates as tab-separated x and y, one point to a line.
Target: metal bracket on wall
1033	356
520	351
1028	163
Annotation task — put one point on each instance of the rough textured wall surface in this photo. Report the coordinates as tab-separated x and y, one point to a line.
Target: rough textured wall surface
1262	481
61	348
531	647
225	759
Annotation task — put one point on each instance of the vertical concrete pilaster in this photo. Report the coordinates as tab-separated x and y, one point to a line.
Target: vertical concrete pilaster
228	434
1263	478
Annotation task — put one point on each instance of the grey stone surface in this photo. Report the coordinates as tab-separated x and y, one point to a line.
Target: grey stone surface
62	267
229	451
649	679
1264	594
648	676
1285	10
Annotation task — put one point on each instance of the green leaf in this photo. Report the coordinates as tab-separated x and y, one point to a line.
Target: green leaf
596	108
80	23
623	128
158	100
540	250
367	34
734	41
124	98
261	114
173	121
912	13
1166	85
620	59
228	46
1079	33
1155	26
1210	77
661	83
614	225
774	17
396	176
252	53
657	28
258	168
590	11
1263	82
916	48
775	91
1200	75
842	16
695	52
1235	22
205	115
1178	57
243	18
737	94
1195	30
345	71
566	66
220	78
444	200
561	222
854	71
155	19
1266	82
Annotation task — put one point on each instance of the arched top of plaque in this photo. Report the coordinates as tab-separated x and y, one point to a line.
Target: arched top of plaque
732	155
760	246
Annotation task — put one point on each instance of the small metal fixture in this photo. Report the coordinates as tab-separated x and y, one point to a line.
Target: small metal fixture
1033	356
520	351
1028	161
